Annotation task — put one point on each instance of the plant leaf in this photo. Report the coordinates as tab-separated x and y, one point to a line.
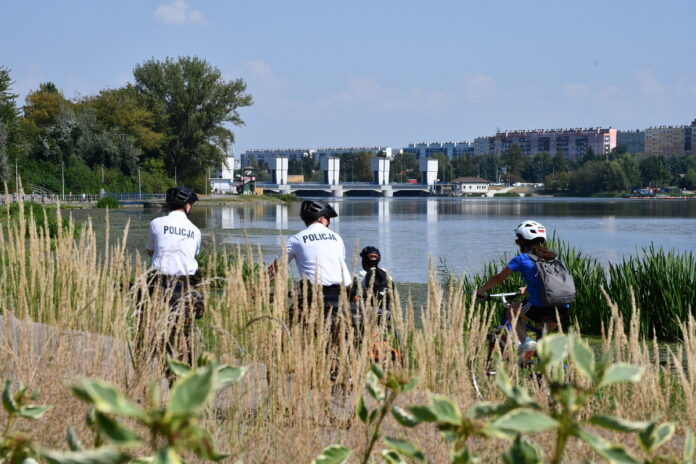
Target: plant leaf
464	456
167	455
115	432
410	385
689	446
191	392
104	455
445	410
392	457
522	452
106	398
73	440
377	370
404	447
228	375
203	444
423	413
583	357
8	402
404	418
521	421
553	349
654	436
487	409
373	387
178	368
613	453
618	424
334	454
32	412
621	373
362	410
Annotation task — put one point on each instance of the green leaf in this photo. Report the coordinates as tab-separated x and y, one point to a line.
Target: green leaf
553	349
334	454
106	398
178	368
583	357
621	373
404	447
522	452
377	370
423	413
521	421
613	453
487	409
191	392
167	455
373	387
8	402
655	436
618	424
104	455
32	412
464	456
73	440
404	418
362	410
203	444
115	432
227	375
392	457
445	410
410	385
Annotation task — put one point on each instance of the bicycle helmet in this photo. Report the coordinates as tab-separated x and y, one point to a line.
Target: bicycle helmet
312	210
371	254
530	230
177	197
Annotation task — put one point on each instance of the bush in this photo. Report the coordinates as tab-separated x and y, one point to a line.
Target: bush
41	215
108	202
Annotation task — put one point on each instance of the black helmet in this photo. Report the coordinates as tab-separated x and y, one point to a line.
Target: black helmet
371	254
177	197
313	210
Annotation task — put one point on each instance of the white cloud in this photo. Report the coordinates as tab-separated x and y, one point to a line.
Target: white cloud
575	90
261	73
478	85
649	84
178	12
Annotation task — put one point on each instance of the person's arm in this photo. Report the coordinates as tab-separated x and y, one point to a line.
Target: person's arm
150	244
493	282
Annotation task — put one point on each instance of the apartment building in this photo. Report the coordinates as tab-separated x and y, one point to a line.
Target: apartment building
668	140
266	155
632	141
450	149
570	142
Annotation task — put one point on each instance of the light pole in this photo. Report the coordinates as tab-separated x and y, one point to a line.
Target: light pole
62	179
174	175
140	189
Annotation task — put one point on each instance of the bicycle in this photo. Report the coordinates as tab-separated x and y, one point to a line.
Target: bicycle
497	339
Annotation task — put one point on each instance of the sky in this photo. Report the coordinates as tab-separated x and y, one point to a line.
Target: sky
380	72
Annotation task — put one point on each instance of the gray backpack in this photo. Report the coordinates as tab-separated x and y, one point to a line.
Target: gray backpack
556	284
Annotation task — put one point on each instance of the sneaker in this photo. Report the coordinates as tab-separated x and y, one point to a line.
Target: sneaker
527	352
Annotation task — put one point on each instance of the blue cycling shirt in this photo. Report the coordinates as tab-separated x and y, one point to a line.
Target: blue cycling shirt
526	266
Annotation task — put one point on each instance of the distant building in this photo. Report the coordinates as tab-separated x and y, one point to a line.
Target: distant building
320	153
570	142
668	140
266	155
449	149
222	180
471	185
632	141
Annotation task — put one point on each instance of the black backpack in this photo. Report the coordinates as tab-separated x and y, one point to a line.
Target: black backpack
557	287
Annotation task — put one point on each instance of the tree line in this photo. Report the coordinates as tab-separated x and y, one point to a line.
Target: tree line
171	124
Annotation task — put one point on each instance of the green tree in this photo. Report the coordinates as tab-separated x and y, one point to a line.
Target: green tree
631	169
403	166
653	171
191	103
689	180
9	134
464	166
514	159
44	105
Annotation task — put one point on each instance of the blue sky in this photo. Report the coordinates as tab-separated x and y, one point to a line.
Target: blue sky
381	72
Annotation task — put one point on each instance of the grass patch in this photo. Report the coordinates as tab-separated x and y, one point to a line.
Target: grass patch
108	202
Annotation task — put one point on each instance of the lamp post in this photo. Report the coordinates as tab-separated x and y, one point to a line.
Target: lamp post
62	179
140	189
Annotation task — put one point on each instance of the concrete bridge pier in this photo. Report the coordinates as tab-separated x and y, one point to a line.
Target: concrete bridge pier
331	168
336	190
380	171
387	191
279	170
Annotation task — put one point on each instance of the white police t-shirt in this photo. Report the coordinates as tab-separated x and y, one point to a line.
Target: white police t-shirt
175	242
319	253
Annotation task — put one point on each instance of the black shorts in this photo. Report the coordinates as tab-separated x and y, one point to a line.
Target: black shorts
543	314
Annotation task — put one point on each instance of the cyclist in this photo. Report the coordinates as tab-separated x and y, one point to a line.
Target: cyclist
173	242
530	238
373	279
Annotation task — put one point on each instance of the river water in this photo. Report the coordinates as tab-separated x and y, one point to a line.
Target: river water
465	234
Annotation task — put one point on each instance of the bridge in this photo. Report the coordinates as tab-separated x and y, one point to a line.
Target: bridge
331	185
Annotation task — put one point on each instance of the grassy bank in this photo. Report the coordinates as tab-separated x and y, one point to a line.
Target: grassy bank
286	409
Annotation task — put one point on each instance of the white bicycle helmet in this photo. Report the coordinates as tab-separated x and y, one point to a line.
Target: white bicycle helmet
529	230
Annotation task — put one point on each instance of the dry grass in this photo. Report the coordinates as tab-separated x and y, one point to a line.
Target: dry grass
68	310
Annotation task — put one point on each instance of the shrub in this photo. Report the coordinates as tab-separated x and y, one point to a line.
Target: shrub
108	202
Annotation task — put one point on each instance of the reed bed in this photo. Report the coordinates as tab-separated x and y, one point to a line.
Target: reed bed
70	310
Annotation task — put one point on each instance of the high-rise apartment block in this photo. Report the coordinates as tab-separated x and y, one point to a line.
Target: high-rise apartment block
570	142
632	141
450	149
670	140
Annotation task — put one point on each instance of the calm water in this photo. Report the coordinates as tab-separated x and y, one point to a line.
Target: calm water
465	233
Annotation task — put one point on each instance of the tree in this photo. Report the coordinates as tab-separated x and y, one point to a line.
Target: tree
191	103
689	180
44	105
8	122
653	171
403	166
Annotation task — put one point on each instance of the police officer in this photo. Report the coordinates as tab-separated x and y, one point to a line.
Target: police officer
173	242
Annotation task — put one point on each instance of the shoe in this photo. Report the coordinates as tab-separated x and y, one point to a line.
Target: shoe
527	352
